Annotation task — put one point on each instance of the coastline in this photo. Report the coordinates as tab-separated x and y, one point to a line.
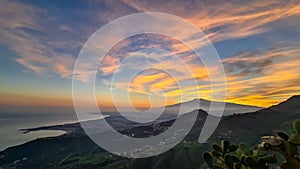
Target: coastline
38	135
49	131
20	136
68	128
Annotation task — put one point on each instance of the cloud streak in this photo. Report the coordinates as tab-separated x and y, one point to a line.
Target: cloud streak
263	78
23	33
225	20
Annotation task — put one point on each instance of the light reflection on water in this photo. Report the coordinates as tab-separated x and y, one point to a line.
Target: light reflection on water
11	123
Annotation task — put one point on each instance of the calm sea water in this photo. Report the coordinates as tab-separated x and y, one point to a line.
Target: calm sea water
11	123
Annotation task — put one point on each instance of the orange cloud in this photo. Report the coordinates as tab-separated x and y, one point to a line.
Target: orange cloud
265	77
242	20
225	19
151	81
109	64
261	79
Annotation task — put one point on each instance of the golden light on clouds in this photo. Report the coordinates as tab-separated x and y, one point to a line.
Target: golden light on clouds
260	79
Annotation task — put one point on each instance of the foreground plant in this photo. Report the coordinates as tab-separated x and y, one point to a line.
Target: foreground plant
286	144
229	156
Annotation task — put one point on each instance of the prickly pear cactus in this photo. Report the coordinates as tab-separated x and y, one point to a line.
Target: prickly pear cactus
296	126
230	156
286	144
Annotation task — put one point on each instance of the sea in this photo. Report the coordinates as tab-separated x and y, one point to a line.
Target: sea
11	123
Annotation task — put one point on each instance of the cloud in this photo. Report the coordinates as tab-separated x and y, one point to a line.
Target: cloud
22	31
127	58
261	78
48	43
254	78
238	20
246	65
150	81
222	20
109	64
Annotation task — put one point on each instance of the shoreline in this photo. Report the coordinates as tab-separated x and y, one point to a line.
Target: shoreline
69	128
44	135
65	129
64	126
61	127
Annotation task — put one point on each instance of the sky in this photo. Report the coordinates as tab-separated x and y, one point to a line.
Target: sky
258	42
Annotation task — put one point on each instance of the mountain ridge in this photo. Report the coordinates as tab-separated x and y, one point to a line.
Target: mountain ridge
203	104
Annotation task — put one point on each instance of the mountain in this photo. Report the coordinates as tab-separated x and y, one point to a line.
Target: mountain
118	121
253	125
290	105
230	108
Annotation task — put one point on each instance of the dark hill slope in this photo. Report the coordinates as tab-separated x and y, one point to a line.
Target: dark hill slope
246	128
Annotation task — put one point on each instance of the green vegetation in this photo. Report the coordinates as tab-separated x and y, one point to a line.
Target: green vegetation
230	156
286	144
92	161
